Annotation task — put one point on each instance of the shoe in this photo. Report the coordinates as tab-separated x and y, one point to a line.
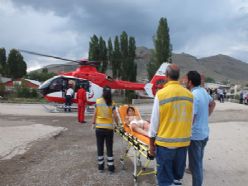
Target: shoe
177	182
101	167
111	168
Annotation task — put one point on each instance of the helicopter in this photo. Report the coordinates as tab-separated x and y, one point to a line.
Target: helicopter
93	81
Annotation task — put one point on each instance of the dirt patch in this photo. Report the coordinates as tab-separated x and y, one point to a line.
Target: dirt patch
66	159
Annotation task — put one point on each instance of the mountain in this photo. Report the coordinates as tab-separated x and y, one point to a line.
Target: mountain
220	67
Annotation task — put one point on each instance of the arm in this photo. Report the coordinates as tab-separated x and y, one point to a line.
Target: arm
127	121
154	126
94	118
115	117
211	107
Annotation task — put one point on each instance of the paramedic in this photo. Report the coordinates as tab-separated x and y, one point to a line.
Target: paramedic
103	121
170	128
203	107
81	100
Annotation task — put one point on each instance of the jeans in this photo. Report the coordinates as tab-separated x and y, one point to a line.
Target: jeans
196	152
170	164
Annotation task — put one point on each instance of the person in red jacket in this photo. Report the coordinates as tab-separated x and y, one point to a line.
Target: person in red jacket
81	99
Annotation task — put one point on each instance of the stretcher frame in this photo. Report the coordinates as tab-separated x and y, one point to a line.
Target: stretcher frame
140	147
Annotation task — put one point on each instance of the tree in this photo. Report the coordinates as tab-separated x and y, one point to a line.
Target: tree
94	48
98	52
16	66
110	52
41	76
3	59
124	56
116	61
209	80
163	47
103	58
131	59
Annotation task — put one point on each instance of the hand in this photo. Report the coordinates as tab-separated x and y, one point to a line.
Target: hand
152	150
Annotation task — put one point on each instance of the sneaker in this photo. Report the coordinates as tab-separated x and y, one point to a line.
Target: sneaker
101	167
111	168
177	182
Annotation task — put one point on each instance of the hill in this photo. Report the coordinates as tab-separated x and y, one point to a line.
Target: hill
220	67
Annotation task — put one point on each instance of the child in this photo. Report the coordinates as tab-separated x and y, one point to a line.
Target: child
136	123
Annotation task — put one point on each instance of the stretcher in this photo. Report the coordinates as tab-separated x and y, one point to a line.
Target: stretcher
138	142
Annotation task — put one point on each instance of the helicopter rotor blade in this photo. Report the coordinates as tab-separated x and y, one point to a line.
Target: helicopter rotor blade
45	55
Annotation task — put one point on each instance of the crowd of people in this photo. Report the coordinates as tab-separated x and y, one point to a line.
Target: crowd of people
178	126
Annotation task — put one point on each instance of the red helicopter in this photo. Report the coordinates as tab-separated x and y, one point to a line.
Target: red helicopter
93	81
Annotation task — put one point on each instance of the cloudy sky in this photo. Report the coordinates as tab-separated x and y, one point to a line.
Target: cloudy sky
63	28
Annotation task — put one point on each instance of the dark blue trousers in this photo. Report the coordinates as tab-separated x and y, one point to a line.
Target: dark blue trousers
170	164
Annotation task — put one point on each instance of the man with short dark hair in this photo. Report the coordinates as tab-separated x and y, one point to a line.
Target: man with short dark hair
203	107
170	128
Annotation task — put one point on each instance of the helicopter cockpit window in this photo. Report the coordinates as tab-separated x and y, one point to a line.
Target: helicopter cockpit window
47	83
85	84
57	84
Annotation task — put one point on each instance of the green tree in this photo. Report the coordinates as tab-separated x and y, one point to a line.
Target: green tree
163	47
132	66
103	58
116	61
3	59
94	48
41	76
209	80
17	67
124	56
110	52
98	52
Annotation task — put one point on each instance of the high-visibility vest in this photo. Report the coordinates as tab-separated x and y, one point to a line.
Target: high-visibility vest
104	118
175	115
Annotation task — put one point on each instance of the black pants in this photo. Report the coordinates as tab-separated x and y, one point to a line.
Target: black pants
68	100
107	136
101	136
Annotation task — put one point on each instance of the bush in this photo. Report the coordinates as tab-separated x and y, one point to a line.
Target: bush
24	92
2	90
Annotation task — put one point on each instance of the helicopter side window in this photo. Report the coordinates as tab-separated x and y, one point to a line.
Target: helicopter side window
56	85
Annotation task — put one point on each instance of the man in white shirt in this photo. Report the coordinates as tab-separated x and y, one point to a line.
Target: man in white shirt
68	98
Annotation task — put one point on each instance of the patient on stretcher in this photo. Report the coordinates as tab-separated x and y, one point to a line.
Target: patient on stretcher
136	123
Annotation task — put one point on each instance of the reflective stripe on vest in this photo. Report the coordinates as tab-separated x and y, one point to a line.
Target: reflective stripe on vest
104	125
178	98
172	140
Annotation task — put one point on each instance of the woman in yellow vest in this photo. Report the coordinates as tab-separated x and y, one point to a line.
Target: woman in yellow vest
103	122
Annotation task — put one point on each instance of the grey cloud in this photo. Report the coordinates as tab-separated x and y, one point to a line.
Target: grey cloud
200	28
